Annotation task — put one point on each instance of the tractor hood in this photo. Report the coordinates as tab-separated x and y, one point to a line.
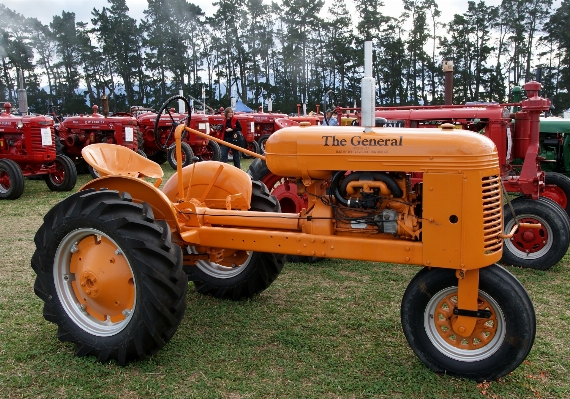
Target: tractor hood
315	151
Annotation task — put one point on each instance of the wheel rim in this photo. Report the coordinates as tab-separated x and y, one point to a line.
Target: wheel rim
486	338
58	176
530	243
94	282
285	192
556	194
4	182
234	263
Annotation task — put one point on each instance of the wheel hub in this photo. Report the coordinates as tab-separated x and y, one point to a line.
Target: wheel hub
103	281
530	240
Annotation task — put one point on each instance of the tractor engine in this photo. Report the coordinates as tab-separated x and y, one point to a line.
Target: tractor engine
376	202
362	182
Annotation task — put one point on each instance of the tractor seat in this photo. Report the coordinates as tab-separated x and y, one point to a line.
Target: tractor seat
116	160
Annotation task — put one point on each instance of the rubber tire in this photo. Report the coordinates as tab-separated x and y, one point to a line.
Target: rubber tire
159	157
94	174
261	141
155	262
186	152
254	147
16	179
69	175
141	153
259	271
258	170
555	219
562	189
214	149
518	321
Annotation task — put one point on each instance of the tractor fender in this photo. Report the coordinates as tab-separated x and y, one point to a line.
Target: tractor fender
140	191
202	176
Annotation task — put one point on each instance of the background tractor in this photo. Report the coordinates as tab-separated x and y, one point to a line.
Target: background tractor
112	259
159	139
77	132
28	149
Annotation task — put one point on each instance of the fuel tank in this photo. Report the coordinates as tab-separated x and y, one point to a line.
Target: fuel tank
315	151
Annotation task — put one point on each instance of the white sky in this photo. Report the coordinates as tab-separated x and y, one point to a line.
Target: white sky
44	10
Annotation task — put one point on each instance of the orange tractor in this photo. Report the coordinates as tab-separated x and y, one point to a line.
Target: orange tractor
112	260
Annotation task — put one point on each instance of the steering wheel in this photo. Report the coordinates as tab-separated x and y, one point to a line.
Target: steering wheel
166	107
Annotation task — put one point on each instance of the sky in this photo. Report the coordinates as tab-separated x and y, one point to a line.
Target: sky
44	10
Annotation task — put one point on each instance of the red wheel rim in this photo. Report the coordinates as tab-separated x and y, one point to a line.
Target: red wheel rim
530	240
556	194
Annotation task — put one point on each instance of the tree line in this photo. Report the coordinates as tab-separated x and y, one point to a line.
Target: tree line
293	52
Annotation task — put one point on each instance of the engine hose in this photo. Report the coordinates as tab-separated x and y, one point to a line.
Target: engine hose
339	190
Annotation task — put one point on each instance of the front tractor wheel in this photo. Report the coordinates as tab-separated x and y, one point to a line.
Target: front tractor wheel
498	343
11	180
64	177
187	155
241	274
539	248
109	275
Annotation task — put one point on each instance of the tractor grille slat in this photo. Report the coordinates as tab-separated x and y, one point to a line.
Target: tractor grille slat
37	147
492	214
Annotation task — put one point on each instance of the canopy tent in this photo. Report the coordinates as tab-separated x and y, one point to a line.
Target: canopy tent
241	107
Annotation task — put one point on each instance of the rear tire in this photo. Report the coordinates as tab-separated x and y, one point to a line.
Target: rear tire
237	281
11	180
109	275
536	248
65	176
187	155
498	344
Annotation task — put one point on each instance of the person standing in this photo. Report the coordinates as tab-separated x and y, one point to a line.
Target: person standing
332	117
231	129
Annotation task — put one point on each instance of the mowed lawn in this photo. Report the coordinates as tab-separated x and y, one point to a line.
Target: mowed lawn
325	330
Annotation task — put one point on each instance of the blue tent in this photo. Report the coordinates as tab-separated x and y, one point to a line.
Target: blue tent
241	107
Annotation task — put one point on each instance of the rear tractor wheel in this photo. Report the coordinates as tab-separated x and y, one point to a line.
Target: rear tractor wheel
241	274
539	248
109	275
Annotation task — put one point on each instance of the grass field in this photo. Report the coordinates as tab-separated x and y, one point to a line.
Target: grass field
324	330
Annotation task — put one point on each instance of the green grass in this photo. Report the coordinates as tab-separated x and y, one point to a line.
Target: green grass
324	330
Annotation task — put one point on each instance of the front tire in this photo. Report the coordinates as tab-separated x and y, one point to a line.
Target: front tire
242	274
11	180
64	177
213	152
187	155
109	275
536	248
261	141
498	344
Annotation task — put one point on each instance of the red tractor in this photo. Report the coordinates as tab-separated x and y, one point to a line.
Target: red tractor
516	136
77	132
157	133
28	148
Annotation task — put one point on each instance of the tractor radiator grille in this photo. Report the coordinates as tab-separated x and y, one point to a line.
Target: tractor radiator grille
492	214
37	147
